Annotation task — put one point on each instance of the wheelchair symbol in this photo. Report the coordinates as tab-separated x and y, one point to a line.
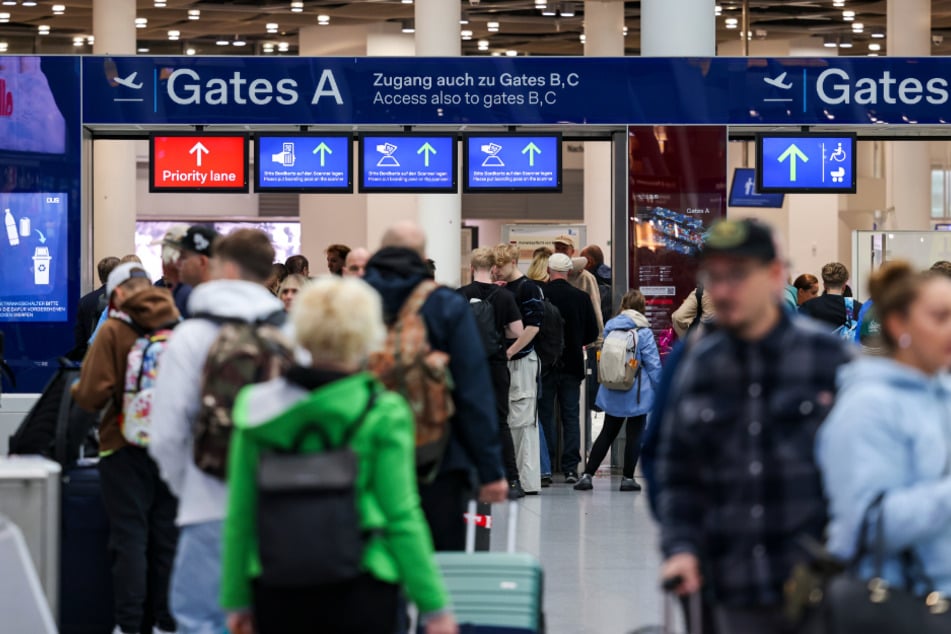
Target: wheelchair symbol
838	155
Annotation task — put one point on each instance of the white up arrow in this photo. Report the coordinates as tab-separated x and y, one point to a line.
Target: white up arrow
197	150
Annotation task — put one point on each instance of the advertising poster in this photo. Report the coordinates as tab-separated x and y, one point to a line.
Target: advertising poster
40	164
529	237
677	189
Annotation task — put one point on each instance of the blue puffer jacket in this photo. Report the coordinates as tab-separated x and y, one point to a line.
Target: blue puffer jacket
623	404
890	432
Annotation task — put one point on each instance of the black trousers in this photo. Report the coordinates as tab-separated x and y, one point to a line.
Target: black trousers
445	502
610	431
501	381
365	605
142	538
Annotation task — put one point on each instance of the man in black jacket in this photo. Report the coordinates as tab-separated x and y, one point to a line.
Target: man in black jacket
91	306
473	449
564	381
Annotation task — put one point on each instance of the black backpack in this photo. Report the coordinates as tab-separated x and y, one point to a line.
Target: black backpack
550	340
308	522
484	313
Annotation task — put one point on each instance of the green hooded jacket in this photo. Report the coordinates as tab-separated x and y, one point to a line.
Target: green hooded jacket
270	415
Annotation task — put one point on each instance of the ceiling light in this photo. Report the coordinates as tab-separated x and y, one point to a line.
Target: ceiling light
9	3
239	43
43	29
91	40
464	17
624	30
540	3
731	23
879	35
141	23
174	34
583	38
718	10
873	55
323	19
838	3
142	50
874	46
829	42
550	10
297	7
78	41
159	4
59	9
4	18
848	16
493	27
409	26
223	43
858	27
268	48
29	3
189	51
567	10
496	53
194	14
283	47
407	1
466	34
272	27
845	42
483	45
511	53
3	47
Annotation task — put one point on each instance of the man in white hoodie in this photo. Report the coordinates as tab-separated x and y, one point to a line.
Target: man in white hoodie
240	266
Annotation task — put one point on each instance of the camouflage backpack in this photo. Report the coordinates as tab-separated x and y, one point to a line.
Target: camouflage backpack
243	353
408	365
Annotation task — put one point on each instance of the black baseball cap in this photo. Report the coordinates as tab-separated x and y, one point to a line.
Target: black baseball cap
739	238
198	238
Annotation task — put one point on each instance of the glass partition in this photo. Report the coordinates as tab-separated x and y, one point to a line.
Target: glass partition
871	249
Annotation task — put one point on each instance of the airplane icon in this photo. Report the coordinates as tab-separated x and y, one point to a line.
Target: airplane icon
779	82
128	82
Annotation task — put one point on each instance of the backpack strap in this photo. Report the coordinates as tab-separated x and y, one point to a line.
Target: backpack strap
417	298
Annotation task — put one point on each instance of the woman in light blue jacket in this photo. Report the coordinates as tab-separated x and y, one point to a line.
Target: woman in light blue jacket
631	405
890	433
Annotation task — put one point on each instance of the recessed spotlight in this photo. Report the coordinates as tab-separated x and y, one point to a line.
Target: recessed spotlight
79	41
496	53
466	34
29	3
848	16
3	47
297	7
239	43
141	23
9	3
323	20
583	38
58	9
272	27
283	47
731	23
407	1
511	53
223	43
43	29
845	45
718	10
483	45
409	26
189	51
567	10
142	50
4	18
624	30
858	27
874	46
91	40
160	4
873	55
493	27
174	35
194	14
464	17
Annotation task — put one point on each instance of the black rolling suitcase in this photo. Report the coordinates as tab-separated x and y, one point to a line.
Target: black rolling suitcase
693	617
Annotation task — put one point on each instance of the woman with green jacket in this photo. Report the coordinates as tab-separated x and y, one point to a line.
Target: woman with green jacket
339	321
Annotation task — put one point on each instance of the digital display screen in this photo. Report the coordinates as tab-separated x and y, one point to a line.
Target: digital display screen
33	248
805	163
743	192
304	163
504	163
408	163
195	163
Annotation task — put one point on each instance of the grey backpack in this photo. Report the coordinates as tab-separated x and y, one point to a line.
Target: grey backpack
618	367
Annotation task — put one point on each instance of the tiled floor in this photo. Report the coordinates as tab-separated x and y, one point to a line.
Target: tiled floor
599	552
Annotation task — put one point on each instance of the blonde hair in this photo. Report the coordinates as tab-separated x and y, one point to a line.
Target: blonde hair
505	253
483	259
538	269
338	320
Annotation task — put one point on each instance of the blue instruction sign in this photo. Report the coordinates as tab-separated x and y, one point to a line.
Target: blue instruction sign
743	193
408	163
304	163
501	163
805	163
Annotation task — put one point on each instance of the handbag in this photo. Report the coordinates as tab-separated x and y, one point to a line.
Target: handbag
844	603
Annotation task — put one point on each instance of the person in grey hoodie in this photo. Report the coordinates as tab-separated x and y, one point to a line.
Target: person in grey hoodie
240	265
631	405
890	433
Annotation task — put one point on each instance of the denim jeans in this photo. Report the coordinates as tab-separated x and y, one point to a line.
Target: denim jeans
543	448
566	388
196	580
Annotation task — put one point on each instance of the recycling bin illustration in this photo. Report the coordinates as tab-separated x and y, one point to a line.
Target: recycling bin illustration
41	266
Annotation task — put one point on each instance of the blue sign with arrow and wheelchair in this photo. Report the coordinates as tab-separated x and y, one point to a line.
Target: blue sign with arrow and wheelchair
804	163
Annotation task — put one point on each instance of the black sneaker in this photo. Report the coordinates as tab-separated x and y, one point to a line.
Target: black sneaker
630	484
546	481
584	484
515	490
570	477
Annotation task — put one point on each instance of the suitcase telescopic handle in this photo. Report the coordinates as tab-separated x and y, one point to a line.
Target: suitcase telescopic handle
512	529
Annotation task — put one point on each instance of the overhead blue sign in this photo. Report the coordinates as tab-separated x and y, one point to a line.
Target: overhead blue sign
805	163
743	192
515	91
304	163
500	163
408	163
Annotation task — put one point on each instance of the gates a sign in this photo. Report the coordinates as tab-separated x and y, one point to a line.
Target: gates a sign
198	163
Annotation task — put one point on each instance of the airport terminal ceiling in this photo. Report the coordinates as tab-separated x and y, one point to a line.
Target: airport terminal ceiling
529	27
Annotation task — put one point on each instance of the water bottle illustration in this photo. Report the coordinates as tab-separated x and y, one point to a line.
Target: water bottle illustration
11	224
41	266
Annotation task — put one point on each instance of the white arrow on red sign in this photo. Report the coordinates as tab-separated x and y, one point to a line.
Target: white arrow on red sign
197	150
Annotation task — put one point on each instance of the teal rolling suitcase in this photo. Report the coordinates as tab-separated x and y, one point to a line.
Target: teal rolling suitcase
494	593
